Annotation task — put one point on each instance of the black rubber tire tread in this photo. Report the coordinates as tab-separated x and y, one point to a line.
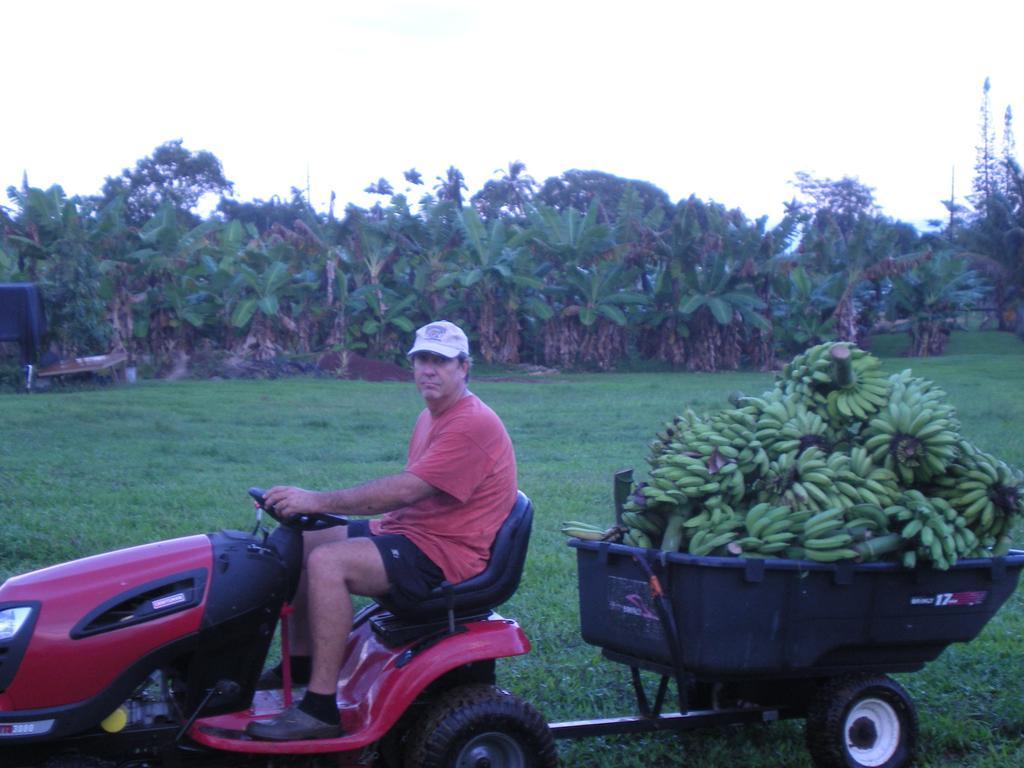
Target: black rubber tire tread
826	716
461	713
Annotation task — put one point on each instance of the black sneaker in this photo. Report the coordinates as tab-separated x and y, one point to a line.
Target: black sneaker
293	725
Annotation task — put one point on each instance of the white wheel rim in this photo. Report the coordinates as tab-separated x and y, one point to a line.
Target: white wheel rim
872	732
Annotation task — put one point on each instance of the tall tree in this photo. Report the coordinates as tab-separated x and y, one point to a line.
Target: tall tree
985	171
173	175
579	189
843	200
1007	172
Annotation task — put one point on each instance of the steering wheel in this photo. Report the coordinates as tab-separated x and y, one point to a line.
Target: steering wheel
303	522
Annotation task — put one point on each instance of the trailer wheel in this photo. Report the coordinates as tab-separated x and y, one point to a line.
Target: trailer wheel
862	721
480	726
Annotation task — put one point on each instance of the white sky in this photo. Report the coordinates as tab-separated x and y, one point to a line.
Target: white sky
725	100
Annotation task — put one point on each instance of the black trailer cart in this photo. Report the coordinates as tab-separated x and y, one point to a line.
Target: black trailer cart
748	640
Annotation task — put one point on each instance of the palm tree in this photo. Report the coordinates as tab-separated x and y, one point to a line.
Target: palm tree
451	186
507	197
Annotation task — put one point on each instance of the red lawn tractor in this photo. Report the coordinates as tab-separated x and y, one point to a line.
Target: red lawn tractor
150	656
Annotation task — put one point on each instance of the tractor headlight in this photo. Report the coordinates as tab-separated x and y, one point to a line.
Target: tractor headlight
12	620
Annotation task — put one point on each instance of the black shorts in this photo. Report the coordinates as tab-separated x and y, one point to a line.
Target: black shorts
411	573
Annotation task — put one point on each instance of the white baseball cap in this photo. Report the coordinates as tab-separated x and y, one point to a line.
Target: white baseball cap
441	338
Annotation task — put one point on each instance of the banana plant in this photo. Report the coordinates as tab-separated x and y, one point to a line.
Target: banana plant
564	241
725	303
930	297
804	315
172	305
492	271
708	274
51	238
569	237
663	329
597	300
115	245
847	260
430	249
383	320
44	218
265	286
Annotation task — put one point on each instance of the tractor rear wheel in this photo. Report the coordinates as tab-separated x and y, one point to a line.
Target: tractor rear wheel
480	726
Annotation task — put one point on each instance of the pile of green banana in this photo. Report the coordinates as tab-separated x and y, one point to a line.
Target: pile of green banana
837	461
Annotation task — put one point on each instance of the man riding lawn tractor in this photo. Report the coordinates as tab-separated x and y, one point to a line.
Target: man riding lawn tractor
433	522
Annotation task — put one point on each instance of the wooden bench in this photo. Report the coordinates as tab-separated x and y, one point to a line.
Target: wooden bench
83	365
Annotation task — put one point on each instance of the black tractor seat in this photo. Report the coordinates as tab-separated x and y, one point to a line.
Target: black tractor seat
448	604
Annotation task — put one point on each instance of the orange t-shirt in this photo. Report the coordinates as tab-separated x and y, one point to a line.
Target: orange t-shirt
467	455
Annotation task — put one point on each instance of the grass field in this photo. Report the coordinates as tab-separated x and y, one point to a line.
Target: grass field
84	471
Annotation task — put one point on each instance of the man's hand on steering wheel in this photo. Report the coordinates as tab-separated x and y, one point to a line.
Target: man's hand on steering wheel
288	501
294	515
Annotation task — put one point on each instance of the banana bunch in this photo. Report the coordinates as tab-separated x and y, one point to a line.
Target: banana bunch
680	477
987	493
769	530
694	458
825	537
806	481
712	529
581	530
922	394
839	381
865	394
857	533
674	433
932	529
811	367
835	462
912	440
791	427
860	481
739	426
